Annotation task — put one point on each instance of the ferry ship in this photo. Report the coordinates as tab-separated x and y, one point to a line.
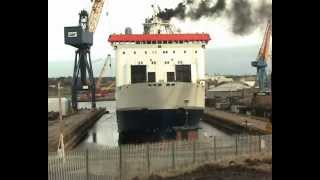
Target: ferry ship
159	80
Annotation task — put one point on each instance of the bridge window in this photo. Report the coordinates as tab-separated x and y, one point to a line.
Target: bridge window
170	76
151	77
138	73
183	73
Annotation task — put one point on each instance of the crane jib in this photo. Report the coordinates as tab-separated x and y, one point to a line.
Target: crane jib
95	14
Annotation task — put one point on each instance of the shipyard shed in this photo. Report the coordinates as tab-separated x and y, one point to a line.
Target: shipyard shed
227	90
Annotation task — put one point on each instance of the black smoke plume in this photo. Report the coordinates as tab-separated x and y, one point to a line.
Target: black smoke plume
243	17
205	10
178	12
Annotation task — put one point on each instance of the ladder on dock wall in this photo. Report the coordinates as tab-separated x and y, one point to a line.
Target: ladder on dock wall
60	150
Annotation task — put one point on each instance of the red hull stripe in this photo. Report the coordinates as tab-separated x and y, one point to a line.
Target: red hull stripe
158	37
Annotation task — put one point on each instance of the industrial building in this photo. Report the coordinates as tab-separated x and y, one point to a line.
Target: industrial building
227	90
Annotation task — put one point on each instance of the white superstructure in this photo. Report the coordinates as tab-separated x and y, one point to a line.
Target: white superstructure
159	60
158	73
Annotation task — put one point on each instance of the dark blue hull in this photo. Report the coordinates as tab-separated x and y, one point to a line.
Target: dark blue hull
144	125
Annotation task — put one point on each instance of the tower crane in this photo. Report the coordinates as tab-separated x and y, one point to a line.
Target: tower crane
81	37
262	58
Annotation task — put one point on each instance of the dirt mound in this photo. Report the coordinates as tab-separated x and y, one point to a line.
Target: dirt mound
248	169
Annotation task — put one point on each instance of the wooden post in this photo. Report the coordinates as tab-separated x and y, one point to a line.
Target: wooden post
173	155
120	162
60	104
87	164
236	145
194	152
214	148
259	143
148	158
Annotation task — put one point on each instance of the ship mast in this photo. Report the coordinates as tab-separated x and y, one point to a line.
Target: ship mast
156	25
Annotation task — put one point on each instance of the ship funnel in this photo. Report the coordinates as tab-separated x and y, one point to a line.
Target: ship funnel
128	30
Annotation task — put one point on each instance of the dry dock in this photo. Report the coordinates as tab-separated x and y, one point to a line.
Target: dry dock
236	122
75	128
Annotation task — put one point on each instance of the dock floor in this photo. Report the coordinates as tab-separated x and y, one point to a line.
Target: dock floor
247	122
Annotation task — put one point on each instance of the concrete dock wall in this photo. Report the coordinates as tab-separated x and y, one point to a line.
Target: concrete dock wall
75	128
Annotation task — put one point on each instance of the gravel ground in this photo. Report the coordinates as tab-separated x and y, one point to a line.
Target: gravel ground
245	168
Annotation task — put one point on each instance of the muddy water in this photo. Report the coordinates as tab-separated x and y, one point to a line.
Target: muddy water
105	131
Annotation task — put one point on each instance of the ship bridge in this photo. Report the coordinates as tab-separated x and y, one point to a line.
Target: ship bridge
159	38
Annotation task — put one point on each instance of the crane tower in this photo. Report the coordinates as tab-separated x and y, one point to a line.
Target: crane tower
81	37
261	62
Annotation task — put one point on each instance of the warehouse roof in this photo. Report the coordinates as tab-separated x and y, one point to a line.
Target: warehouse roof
233	86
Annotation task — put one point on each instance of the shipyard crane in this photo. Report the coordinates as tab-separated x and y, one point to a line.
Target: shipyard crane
95	14
102	71
262	58
81	37
262	101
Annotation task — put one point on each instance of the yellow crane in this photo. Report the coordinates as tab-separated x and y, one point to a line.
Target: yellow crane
94	17
98	84
93	21
92	25
95	14
109	87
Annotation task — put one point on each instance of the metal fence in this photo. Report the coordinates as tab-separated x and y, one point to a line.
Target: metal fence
129	161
